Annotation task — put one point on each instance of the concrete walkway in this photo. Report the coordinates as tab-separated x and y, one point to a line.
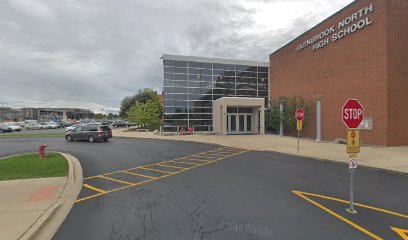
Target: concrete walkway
387	158
35	208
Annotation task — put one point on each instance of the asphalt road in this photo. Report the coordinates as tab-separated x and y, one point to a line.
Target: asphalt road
246	196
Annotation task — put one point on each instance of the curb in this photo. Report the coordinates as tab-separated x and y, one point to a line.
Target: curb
48	223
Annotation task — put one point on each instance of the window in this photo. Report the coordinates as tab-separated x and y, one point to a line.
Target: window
169	69
263	69
194	71
168	62
206	71
169	76
194	64
181	77
181	84
181	64
102	128
181	70
218	66
206	65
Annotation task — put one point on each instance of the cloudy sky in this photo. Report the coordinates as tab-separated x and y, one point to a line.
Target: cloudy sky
92	53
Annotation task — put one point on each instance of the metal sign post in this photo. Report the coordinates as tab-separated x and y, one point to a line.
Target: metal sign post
353	114
299	115
352	169
298	128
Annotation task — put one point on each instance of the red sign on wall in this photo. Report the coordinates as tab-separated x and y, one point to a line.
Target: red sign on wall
353	113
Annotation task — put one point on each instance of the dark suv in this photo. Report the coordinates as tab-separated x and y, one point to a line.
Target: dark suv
119	124
91	133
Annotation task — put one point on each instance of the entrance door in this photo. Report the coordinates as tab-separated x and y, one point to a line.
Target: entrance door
239	123
231	123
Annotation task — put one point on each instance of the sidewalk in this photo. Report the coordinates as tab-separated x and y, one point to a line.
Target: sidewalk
35	208
387	158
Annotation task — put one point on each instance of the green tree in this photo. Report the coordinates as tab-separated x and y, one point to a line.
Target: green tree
273	116
142	96
289	108
100	116
146	114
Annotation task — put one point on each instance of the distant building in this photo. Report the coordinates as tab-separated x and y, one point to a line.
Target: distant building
55	113
9	114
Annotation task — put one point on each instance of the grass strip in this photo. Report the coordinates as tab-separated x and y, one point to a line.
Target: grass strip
31	166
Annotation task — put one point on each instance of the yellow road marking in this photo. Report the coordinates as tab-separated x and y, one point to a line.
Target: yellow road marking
357	204
116	180
193	159
175	167
338	216
94	188
210	154
126	171
140	175
96	176
401	232
161	171
196	164
114	190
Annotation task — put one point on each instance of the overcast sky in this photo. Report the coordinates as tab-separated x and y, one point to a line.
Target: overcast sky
92	53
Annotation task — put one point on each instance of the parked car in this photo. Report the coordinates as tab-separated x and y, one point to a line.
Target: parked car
72	127
14	126
34	126
91	133
47	125
119	124
67	124
4	128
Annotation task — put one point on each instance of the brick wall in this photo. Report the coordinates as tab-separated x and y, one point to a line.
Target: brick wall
352	67
397	72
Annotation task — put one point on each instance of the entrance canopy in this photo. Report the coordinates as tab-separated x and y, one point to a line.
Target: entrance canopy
239	115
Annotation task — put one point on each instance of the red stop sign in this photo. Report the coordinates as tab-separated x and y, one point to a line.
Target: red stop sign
353	113
299	114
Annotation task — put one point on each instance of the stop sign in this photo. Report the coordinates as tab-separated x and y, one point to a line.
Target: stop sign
353	113
299	114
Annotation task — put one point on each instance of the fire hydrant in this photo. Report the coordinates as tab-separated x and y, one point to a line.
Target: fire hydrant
41	150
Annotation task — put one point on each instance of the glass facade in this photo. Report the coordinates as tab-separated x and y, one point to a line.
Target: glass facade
190	87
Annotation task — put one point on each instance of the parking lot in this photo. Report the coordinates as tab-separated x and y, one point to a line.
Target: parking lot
157	189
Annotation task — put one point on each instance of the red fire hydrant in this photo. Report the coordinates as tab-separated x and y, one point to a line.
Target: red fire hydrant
41	150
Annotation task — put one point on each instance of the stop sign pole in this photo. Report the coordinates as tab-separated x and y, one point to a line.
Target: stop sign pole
353	115
299	115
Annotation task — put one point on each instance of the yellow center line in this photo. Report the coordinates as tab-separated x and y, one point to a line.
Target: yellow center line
94	188
116	180
161	171
140	175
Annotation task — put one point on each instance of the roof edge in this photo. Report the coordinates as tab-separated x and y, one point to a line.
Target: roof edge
214	60
315	26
